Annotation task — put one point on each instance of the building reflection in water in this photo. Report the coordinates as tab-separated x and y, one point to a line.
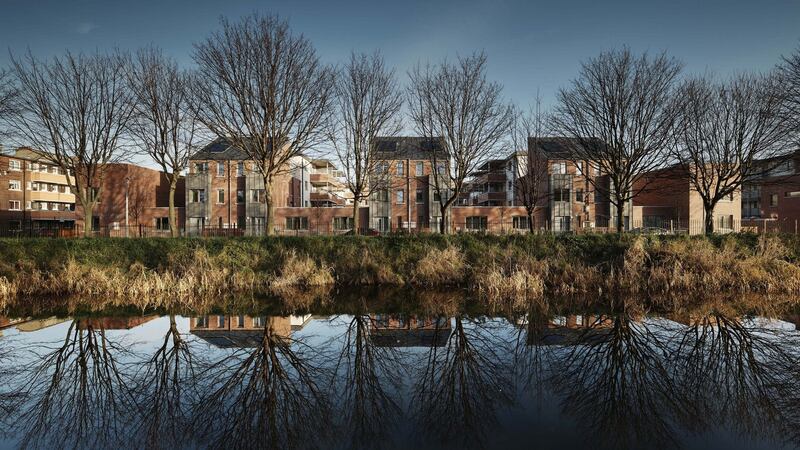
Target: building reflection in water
242	330
400	330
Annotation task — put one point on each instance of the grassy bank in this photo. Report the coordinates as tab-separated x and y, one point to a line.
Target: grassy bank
161	271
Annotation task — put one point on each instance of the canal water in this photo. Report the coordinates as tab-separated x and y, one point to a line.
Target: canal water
399	379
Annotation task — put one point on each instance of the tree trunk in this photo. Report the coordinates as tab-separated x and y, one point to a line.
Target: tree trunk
709	219
443	228
355	216
269	222
620	215
531	227
88	210
173	214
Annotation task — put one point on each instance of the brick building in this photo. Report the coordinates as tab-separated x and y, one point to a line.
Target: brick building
665	199
771	201
243	331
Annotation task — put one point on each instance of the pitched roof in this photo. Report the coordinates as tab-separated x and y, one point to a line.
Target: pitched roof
220	150
557	147
406	147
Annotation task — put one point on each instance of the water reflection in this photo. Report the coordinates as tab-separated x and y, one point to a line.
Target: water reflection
400	379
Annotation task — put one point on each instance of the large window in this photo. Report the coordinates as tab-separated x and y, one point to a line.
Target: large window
14	185
476	222
162	223
382	195
342	223
400	197
520	222
220	195
201	167
220	169
198	195
420	169
559	167
773	200
561	194
240	169
14	165
257	195
297	223
14	205
579	195
240	196
420	196
399	169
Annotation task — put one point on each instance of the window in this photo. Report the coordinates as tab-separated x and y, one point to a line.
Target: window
400	166
240	196
476	222
43	206
342	223
579	195
220	195
220	321
201	322
520	222
400	195
297	223
198	195
162	223
14	185
14	165
382	223
240	322
561	194
792	194
440	168
258	322
773	200
382	168
52	188
28	205
257	195
382	195
220	169
436	197
240	169
420	196
14	205
420	169
201	167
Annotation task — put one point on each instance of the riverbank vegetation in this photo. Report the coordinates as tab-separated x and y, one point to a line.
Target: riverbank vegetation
497	269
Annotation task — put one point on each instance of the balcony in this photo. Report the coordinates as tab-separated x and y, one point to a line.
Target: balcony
484	197
320	196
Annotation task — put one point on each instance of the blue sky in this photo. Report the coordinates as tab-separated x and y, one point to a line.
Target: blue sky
532	45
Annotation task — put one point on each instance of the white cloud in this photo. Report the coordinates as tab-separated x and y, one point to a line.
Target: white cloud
85	28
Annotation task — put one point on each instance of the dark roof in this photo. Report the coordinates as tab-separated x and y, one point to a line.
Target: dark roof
220	150
557	147
403	337
402	147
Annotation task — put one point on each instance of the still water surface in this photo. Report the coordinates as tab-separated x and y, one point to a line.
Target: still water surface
400	380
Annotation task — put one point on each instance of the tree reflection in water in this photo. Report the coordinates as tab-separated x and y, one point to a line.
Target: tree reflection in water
741	374
166	386
265	394
78	394
368	377
614	378
462	385
9	396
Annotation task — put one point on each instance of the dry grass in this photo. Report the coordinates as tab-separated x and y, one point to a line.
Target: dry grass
444	267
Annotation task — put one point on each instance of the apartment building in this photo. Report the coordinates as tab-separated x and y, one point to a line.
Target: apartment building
771	200
224	189
327	186
401	330
408	200
34	193
666	199
35	196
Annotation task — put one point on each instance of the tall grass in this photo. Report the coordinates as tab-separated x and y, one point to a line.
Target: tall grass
505	269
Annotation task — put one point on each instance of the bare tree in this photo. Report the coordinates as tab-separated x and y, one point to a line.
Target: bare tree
7	93
620	116
264	90
74	109
368	103
531	173
725	130
789	72
164	124
457	105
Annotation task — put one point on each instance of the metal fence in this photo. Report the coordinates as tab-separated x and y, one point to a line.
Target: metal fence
664	227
